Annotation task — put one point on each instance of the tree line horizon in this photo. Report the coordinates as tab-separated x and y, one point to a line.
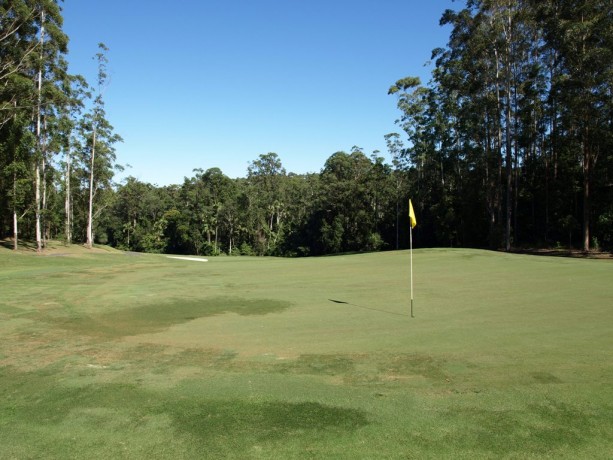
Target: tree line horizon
509	145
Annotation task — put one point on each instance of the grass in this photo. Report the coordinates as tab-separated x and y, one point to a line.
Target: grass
112	355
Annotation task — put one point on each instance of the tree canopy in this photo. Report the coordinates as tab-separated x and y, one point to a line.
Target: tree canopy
509	145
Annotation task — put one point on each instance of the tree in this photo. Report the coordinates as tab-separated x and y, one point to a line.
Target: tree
98	148
395	148
52	43
348	205
75	90
267	201
18	43
31	65
582	34
18	143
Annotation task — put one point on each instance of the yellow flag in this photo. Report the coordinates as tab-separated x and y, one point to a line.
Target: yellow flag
412	215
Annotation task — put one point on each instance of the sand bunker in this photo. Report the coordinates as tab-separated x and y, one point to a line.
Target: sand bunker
195	259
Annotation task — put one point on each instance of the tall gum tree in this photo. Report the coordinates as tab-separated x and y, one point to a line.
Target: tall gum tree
99	138
52	42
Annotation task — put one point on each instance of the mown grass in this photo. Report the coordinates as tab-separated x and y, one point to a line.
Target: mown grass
113	355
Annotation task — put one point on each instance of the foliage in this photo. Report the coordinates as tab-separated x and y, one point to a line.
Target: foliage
508	145
511	141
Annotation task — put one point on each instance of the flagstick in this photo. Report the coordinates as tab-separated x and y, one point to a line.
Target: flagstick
411	251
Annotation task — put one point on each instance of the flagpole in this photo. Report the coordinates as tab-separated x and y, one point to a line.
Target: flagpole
411	252
412	223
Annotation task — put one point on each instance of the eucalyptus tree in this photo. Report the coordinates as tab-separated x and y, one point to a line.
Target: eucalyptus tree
346	219
303	197
429	154
33	44
16	178
15	88
195	207
52	43
156	202
204	200
265	177
468	130
401	165
18	43
97	149
131	214
75	90
481	69
231	214
581	33
220	195
466	86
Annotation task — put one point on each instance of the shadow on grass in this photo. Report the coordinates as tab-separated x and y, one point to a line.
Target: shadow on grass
158	317
215	421
369	308
23	245
537	430
107	415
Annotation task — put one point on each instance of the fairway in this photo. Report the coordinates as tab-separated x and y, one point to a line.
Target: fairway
114	355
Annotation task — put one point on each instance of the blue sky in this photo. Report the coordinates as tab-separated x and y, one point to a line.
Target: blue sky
214	83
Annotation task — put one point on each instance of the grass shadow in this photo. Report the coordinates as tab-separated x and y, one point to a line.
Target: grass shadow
23	245
113	414
157	317
214	421
369	308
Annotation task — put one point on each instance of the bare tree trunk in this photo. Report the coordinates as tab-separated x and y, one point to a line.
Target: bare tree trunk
15	233
67	206
44	224
39	242
90	217
587	171
499	127
509	172
508	129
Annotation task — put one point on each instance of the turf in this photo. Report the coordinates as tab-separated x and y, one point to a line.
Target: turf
112	355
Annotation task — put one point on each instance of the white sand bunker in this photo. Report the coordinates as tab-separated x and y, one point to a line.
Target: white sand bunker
195	259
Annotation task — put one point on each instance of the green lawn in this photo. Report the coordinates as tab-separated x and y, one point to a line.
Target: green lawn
111	355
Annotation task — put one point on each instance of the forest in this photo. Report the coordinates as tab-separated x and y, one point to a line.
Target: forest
508	146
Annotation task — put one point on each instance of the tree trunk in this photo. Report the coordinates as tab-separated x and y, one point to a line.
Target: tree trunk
39	243
509	174
67	207
587	160
90	216
508	76
15	232
44	224
499	136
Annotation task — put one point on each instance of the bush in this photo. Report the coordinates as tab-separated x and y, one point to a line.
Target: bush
246	250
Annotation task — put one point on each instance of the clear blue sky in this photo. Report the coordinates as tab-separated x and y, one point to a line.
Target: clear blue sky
216	83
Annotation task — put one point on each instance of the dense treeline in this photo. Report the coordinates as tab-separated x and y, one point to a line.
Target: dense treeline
512	140
350	206
509	145
56	145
